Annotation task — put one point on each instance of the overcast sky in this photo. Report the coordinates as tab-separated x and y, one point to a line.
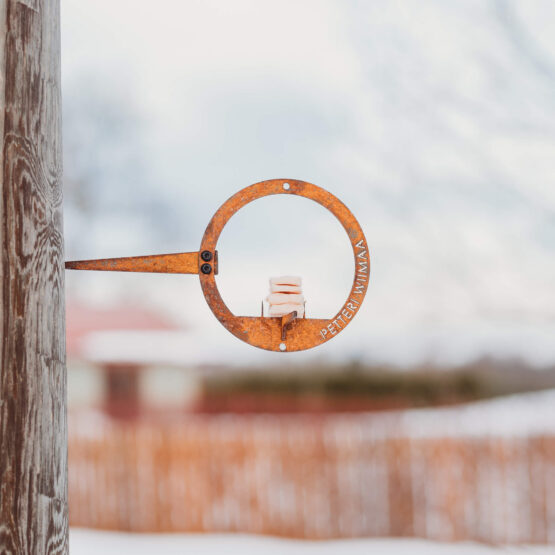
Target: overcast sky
433	121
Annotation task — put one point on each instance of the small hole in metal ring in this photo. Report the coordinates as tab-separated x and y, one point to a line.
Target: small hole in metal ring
286	186
282	346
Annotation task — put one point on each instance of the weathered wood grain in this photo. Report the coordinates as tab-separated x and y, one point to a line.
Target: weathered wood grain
33	427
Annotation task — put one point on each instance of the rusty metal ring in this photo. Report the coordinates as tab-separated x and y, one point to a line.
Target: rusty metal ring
304	333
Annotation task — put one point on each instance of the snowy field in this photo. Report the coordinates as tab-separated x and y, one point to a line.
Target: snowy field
86	542
519	415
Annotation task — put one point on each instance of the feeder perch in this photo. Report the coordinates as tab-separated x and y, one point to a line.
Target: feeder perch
285	333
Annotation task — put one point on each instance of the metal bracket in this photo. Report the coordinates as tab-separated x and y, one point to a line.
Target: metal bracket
286	322
178	263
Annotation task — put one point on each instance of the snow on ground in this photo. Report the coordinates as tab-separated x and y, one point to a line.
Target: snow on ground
520	415
87	542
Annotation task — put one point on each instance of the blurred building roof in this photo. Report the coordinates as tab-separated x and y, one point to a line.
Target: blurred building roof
120	333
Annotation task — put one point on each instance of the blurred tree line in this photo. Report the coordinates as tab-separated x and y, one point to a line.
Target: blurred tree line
366	387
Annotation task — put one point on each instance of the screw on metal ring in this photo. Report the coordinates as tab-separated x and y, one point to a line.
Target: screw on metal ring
206	256
206	268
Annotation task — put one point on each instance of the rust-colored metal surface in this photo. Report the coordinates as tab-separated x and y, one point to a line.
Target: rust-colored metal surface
287	333
179	263
302	333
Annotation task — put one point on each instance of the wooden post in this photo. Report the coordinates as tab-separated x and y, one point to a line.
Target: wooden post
33	423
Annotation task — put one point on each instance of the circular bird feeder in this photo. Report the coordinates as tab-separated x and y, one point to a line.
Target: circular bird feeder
284	333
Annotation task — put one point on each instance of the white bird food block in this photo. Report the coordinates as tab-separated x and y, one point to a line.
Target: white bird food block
285	289
286	280
285	296
283	309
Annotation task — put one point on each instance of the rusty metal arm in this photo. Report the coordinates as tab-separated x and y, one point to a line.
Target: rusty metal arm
178	263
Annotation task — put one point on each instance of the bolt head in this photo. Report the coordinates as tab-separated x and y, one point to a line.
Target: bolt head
206	256
206	268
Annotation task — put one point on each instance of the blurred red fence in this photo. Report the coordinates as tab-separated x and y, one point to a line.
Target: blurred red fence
307	477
